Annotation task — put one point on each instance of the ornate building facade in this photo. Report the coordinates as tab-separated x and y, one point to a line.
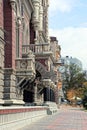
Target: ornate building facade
29	58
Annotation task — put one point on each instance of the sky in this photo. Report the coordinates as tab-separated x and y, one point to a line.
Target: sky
68	22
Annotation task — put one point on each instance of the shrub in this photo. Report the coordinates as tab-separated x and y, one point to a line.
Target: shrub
84	102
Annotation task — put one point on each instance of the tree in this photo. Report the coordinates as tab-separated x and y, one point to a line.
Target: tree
70	93
73	78
85	94
82	91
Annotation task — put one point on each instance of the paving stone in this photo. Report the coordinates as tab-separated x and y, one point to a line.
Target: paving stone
65	119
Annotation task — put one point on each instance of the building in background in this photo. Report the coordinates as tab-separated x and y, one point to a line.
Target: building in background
76	61
70	60
29	58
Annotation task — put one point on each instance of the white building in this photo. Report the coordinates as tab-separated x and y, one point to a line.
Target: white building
70	60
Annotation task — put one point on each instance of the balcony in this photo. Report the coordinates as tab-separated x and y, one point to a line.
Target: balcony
37	49
25	67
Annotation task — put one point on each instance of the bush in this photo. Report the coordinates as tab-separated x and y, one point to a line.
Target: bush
84	102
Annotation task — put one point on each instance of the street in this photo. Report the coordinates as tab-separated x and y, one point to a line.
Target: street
68	118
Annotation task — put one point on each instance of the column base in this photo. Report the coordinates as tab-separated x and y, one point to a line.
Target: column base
13	102
52	107
37	103
1	102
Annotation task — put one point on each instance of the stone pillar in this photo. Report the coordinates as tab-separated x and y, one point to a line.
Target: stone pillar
35	94
2	42
35	18
41	18
42	98
56	95
10	90
45	15
47	32
1	66
47	94
51	95
53	92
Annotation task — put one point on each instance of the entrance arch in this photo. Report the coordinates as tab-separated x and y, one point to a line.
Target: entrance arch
29	91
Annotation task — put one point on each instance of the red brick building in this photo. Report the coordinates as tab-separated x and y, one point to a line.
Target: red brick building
30	59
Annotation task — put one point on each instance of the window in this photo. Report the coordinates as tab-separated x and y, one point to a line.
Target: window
17	41
22	9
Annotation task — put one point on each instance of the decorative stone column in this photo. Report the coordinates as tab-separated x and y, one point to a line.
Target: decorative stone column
1	65
47	83
48	93
13	3
41	18
47	33
51	95
45	15
35	94
10	90
35	18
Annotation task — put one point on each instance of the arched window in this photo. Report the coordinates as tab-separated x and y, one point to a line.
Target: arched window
22	9
18	4
17	40
23	33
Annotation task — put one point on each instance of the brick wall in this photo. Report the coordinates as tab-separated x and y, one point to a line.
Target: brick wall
9	26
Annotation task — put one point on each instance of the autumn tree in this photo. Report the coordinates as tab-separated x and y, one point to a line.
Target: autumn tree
73	78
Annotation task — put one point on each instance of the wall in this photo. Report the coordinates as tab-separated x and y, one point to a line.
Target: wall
15	118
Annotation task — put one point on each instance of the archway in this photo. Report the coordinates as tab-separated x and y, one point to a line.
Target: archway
28	96
28	93
35	89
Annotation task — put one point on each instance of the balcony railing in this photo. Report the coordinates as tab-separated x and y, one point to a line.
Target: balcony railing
36	48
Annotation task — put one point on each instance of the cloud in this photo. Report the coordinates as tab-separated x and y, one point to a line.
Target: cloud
61	5
83	24
73	42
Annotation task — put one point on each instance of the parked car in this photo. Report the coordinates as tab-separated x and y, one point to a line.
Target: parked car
79	102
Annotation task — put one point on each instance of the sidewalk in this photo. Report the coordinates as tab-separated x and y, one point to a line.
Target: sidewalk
68	118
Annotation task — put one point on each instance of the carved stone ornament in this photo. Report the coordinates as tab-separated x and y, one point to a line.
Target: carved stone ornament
18	21
13	3
23	64
0	58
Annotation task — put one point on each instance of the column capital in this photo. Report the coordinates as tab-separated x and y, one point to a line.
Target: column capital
13	2
36	1
19	20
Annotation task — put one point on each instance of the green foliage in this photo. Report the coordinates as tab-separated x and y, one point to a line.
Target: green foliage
84	95
73	77
85	101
